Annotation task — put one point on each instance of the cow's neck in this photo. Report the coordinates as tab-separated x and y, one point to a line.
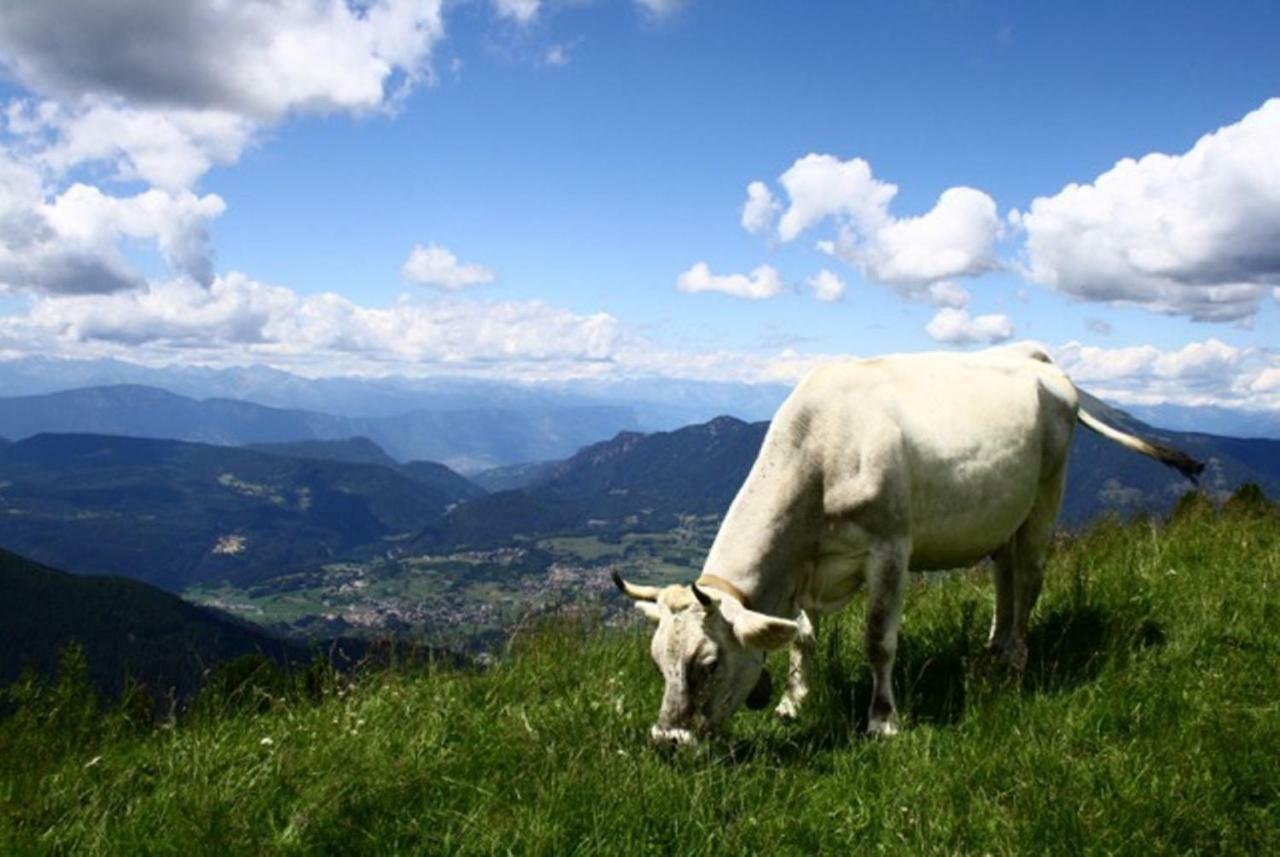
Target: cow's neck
769	531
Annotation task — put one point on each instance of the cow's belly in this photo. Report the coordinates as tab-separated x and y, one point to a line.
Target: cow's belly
966	511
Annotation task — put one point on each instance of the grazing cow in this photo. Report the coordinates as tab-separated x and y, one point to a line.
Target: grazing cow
871	468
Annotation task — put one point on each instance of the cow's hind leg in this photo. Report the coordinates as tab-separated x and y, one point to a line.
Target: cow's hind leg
886	584
1030	546
798	670
1003	566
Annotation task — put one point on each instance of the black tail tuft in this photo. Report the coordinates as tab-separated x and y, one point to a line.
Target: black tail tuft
1179	461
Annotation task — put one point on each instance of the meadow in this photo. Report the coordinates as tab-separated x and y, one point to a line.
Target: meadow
1148	721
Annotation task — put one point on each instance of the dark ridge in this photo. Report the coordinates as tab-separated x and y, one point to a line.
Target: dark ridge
128	630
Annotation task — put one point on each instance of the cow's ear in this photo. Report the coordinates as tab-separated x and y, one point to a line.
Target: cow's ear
760	631
652	611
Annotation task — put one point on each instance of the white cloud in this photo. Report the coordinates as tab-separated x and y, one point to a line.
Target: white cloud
826	286
557	55
434	265
822	186
239	318
232	310
762	283
946	293
253	59
1199	373
1266	381
956	327
177	222
660	8
161	92
1196	234
956	238
69	244
167	148
760	209
520	11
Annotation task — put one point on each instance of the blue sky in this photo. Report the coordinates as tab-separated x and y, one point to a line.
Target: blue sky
223	188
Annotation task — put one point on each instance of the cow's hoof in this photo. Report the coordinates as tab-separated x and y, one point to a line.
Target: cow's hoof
1010	658
788	709
671	738
882	728
1014	658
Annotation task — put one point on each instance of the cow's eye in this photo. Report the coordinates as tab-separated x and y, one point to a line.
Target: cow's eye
699	670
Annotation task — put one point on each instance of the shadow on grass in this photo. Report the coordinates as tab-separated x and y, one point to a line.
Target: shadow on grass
939	677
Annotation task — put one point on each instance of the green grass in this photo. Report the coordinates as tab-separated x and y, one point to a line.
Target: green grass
1148	721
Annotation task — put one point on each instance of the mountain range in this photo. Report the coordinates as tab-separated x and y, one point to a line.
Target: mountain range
469	439
177	513
647	481
657	403
172	513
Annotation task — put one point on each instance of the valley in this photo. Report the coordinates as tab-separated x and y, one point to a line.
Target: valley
464	599
316	539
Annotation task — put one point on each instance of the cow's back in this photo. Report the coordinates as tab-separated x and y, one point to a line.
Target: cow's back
954	446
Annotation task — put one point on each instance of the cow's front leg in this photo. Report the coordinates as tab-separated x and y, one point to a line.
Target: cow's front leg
886	584
798	670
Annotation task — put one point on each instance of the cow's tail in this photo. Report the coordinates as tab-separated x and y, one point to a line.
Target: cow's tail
1167	455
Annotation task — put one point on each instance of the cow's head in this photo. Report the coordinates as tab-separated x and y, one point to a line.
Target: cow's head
710	650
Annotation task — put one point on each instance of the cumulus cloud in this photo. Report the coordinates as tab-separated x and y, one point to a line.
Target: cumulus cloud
956	327
1266	381
826	286
167	148
956	238
520	11
239	317
434	265
822	186
69	243
253	59
762	283
760	209
161	92
1195	234
1211	372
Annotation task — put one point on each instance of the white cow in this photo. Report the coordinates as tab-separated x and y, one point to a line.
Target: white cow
871	468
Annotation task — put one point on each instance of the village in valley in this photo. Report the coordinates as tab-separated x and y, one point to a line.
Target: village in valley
468	599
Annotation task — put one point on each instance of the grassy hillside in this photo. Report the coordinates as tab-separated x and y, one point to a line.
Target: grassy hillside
1148	721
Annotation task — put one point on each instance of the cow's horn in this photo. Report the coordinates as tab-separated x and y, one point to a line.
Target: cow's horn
638	593
703	598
